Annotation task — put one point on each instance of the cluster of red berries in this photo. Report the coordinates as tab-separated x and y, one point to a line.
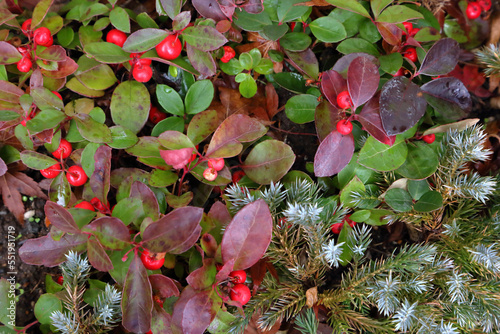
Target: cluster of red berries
214	166
229	54
75	174
336	228
41	36
344	101
240	291
475	8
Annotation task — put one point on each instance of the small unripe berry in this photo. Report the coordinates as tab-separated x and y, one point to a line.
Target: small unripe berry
217	164
210	174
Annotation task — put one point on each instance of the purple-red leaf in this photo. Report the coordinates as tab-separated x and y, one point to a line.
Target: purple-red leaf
177	158
60	218
326	118
137	301
188	243
402	104
332	83
441	58
449	97
172	230
209	9
236	129
110	231
3	167
100	179
334	153
248	235
362	80
371	121
98	257
148	198
390	32
342	65
194	311
163	286
48	252
8	53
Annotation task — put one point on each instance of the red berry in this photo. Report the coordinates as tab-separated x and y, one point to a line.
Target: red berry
96	202
228	54
156	115
51	172
414	31
149	332
27	118
400	72
217	164
116	37
210	174
411	54
152	261
43	36
60	280
473	10
238	276
349	221
237	176
408	26
76	176
344	127
23	50
240	293
336	228
85	205
64	150
485	4
142	73
26	27
57	94
24	65
344	100
429	139
170	48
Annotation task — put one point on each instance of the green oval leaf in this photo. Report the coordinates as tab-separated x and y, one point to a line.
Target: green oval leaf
144	39
430	201
398	14
130	105
421	162
45	305
295	41
199	96
399	199
328	29
36	160
354	45
301	108
383	157
119	19
170	100
106	52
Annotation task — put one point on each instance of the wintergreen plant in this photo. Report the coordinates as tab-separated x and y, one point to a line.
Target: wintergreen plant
77	318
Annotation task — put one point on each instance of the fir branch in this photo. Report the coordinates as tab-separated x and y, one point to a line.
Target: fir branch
306	322
490	57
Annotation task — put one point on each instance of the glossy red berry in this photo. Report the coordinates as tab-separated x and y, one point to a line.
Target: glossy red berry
240	293
116	37
229	54
473	10
151	260
237	176
64	150
429	139
400	72
344	100
344	127
336	228
414	31
155	115
142	73
485	5
411	54
238	276
76	176
96	203
26	27
136	59
57	94
60	280
24	65
170	48
51	172
27	118
43	37
85	205
210	174
217	164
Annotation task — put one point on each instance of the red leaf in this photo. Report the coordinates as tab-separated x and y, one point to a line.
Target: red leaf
177	158
110	231
248	235
98	257
371	121
100	179
332	83
48	252
362	80
60	218
441	58
334	153
172	230
137	301
163	286
390	32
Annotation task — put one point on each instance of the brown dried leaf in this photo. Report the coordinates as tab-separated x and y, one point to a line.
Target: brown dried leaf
312	296
494	29
12	185
234	103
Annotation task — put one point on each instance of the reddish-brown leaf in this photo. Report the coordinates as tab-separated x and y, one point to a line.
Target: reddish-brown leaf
48	252
333	154
98	257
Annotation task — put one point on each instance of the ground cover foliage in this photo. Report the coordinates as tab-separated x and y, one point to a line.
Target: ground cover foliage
177	201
